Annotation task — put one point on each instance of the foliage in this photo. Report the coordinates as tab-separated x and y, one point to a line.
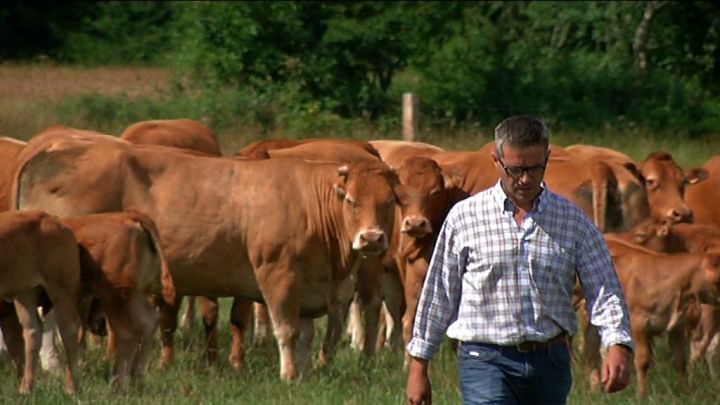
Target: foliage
472	63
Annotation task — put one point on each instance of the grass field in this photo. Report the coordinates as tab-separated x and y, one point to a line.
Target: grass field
29	99
348	380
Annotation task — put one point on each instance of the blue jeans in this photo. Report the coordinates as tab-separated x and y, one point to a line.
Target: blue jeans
492	374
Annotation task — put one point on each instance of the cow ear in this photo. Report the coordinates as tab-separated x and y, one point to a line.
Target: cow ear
343	171
451	179
696	175
634	170
339	190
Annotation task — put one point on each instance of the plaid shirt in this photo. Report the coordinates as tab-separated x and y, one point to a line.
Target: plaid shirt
494	281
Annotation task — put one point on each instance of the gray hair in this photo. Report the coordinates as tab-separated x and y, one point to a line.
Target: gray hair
521	132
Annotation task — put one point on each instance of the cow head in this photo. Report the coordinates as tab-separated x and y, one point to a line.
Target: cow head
665	181
422	196
367	189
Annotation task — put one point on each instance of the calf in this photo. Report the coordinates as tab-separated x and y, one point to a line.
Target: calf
659	289
38	252
703	325
122	263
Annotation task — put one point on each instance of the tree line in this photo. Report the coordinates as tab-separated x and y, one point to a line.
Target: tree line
586	64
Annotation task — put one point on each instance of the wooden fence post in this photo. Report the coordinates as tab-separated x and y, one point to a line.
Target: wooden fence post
409	116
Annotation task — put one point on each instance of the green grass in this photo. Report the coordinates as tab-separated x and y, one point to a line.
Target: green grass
348	380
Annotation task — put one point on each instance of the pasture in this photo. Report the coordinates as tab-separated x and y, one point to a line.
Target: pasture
29	98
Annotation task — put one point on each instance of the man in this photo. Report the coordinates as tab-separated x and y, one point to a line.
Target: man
501	282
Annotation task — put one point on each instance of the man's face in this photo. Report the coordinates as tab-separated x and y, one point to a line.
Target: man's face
521	172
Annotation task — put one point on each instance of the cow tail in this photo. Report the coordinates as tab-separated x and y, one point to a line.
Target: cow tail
602	178
168	286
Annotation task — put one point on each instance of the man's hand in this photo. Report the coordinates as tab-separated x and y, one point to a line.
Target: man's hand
419	391
615	375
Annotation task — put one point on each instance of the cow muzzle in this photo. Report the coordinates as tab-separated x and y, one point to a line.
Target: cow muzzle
681	214
370	242
416	226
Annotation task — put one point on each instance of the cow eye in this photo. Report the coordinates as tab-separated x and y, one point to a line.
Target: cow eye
350	201
651	182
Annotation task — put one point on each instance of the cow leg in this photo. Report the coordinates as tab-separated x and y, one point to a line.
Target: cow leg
209	309
643	359
678	343
3	346
49	357
239	320
111	344
591	355
69	324
121	326
12	333
703	335
711	354
168	324
385	326
146	321
413	286
355	327
283	302
332	336
371	311
304	342
394	301
187	320
26	307
261	327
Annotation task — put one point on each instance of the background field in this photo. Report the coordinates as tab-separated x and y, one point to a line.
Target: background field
35	96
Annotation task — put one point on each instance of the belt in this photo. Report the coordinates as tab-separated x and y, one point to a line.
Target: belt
530	346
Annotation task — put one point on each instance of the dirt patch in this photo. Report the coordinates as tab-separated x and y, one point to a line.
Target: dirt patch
22	83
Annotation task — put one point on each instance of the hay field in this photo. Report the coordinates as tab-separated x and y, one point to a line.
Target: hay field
30	94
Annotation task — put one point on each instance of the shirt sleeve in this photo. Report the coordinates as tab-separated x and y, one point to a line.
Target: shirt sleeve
604	298
440	295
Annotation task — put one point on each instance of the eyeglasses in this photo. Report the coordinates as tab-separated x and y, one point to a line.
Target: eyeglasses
516	172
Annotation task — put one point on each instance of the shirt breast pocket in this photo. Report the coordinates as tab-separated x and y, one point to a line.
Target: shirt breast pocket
556	267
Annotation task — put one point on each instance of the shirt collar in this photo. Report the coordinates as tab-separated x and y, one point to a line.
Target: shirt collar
502	200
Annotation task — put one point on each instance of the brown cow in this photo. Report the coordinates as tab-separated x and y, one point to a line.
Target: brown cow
178	133
9	149
703	325
421	216
193	136
424	202
12	334
38	251
330	150
122	263
659	289
703	198
661	179
586	152
394	153
592	184
259	148
368	292
283	231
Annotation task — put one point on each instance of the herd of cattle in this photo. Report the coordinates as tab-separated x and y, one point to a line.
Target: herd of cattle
297	229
